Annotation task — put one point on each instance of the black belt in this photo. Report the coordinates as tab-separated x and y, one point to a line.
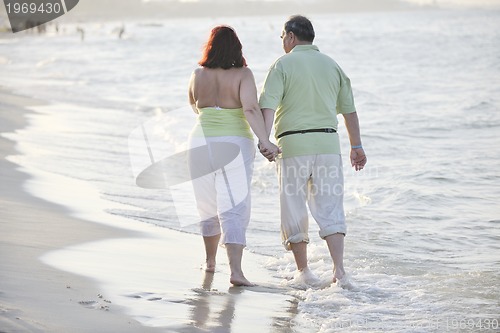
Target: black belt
321	130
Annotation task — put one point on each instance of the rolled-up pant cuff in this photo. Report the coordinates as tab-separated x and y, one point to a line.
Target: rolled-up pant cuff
298	238
332	230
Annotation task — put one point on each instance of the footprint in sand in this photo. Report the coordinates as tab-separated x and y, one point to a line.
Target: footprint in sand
94	305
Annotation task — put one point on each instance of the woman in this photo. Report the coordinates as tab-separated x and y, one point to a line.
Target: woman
223	94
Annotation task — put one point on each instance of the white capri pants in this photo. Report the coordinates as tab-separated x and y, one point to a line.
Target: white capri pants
319	181
221	177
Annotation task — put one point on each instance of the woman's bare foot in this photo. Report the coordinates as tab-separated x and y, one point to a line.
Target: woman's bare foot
211	245
209	266
240	280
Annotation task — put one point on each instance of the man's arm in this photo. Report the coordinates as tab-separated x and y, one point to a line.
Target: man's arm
270	99
268	119
358	157
268	115
253	114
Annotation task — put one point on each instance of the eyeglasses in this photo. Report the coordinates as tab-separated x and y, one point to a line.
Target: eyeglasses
284	33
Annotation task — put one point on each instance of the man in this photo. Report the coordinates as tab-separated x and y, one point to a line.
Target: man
306	90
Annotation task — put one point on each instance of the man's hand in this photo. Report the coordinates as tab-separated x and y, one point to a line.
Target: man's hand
269	150
358	158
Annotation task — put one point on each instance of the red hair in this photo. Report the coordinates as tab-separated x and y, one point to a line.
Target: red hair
223	49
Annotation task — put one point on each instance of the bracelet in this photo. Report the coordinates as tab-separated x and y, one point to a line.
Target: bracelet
356	147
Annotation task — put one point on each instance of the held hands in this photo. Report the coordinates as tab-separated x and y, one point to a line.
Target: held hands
269	150
358	158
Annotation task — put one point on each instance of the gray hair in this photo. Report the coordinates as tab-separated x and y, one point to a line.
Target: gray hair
301	27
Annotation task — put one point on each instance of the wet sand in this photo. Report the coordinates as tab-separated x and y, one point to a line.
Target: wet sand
59	273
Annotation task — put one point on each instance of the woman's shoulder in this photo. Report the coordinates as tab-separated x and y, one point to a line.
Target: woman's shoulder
246	71
198	71
238	72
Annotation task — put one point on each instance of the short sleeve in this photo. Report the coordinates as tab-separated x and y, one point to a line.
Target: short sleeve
273	90
345	100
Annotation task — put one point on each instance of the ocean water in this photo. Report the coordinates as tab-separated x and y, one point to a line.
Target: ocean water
423	245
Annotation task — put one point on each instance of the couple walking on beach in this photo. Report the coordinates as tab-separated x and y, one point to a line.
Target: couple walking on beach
303	92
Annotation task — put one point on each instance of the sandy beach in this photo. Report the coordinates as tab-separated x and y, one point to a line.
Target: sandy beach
37	297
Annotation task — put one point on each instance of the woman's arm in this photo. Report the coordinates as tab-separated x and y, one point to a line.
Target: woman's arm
192	100
251	108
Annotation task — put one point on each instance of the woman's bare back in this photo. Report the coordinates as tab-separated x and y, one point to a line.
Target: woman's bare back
217	87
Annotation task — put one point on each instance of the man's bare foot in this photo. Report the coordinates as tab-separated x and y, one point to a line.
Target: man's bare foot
240	280
343	281
338	275
307	277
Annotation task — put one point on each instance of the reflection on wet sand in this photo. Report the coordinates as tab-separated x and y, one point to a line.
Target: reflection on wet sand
215	311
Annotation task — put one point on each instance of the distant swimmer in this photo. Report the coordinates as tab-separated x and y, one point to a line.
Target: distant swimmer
81	32
121	31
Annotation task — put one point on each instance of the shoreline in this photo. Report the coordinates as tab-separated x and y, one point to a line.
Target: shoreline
35	297
116	10
60	273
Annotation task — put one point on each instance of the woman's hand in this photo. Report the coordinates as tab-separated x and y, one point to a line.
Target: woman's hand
269	150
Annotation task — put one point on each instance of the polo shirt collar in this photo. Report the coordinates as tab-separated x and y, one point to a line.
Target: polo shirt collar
304	48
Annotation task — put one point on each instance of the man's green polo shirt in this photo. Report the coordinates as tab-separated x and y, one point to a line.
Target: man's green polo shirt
307	89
